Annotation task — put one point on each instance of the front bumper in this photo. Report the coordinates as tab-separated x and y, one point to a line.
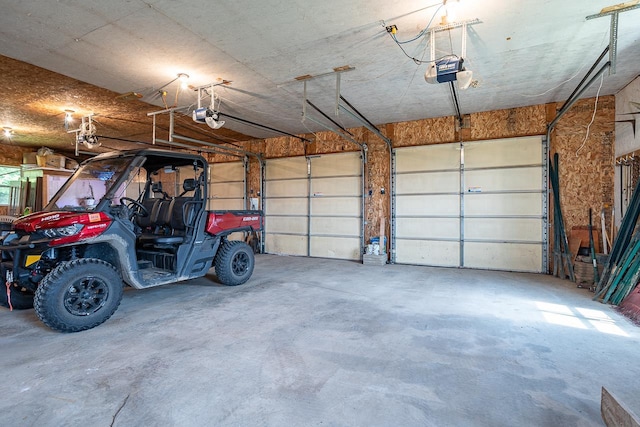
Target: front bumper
20	260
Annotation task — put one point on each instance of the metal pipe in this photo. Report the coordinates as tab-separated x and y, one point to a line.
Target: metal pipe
191	147
586	76
328	118
455	103
570	102
355	110
171	126
211	144
347	137
249	122
366	124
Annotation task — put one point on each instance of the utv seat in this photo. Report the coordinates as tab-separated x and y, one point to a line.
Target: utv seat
175	217
152	205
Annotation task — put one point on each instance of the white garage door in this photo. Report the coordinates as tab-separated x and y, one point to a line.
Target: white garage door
226	186
500	219
227	189
286	221
504	204
336	206
313	206
428	205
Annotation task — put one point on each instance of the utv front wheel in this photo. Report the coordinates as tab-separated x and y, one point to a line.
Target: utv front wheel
21	298
234	263
78	295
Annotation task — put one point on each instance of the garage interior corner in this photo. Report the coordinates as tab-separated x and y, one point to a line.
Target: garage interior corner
312	341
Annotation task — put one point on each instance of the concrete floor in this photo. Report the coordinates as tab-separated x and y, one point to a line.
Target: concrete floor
310	342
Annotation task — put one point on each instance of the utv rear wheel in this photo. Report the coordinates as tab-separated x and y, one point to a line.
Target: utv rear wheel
78	295
21	298
234	263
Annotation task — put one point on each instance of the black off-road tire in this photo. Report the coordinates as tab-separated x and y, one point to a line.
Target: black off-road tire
234	263
78	295
21	298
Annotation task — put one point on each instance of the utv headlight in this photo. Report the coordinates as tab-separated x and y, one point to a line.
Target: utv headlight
69	230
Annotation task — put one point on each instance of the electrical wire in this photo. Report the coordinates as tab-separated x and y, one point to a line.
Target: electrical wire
593	116
420	34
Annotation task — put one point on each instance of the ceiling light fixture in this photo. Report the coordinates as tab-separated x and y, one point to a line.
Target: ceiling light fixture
7	131
183	77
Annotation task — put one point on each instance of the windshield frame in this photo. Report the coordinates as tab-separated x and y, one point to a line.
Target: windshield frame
124	174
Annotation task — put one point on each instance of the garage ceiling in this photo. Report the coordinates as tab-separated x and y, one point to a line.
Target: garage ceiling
521	53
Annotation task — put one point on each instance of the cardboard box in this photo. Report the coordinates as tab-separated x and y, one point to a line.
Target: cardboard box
41	161
71	164
55	161
29	159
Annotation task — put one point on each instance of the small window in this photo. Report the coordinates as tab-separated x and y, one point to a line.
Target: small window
9	179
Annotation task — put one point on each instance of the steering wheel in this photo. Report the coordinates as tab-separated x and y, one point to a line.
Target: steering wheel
137	208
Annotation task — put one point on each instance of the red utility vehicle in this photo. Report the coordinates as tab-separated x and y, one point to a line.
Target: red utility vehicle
135	218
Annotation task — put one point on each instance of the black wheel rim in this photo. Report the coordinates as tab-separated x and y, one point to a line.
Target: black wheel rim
86	296
240	264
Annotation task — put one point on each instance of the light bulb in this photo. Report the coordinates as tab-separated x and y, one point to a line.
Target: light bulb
183	77
7	131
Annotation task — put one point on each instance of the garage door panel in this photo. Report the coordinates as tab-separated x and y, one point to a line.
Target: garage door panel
292	167
426	252
515	229
225	172
430	182
226	204
336	165
504	152
504	179
286	207
503	204
341	186
331	195
335	206
226	189
428	158
287	188
293	225
336	226
285	244
428	228
428	205
335	247
503	256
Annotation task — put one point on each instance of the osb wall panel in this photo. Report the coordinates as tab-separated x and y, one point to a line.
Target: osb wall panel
12	155
586	171
329	142
508	123
422	132
284	146
377	180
